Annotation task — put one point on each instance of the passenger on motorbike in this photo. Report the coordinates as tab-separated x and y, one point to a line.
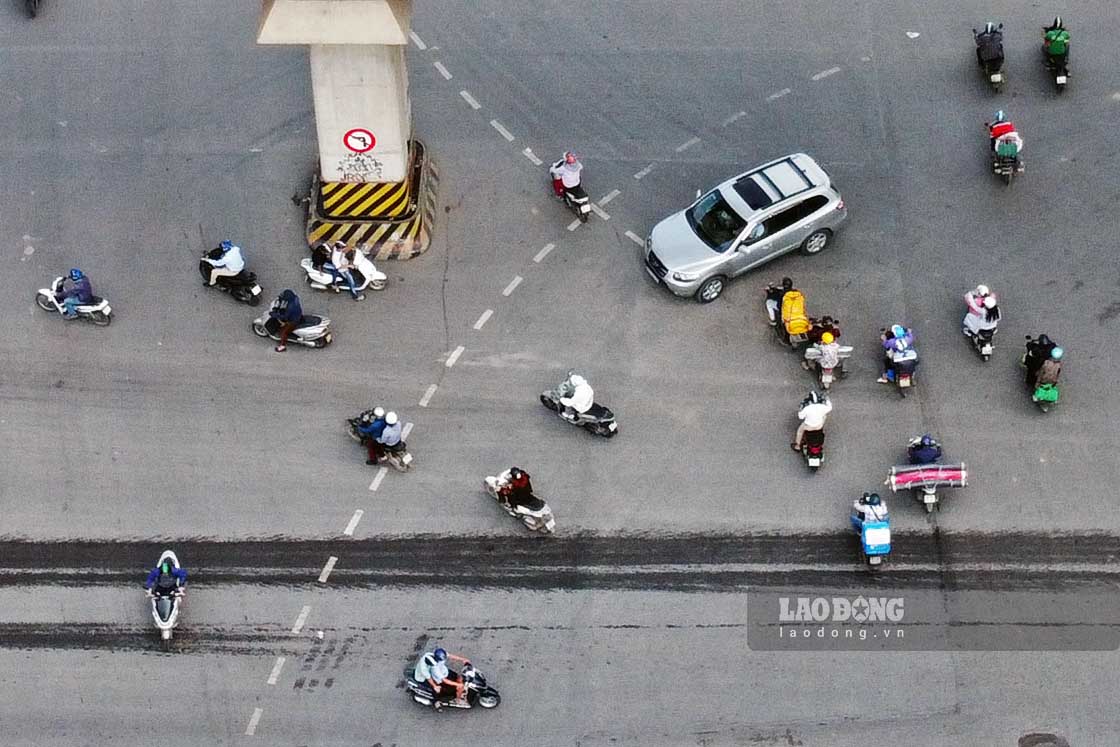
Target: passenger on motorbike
581	399
829	354
166	578
1050	368
340	266
371	424
288	311
923	450
813	413
229	264
868	507
898	346
432	668
1055	43
79	292
1038	352
983	311
565	174
774	295
389	437
822	325
989	47
1004	139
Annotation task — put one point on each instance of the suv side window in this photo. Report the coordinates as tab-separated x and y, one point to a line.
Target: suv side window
810	206
782	220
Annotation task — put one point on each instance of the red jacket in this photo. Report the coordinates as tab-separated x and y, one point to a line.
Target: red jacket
1000	129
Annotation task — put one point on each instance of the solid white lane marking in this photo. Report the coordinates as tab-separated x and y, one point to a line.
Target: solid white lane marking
303	613
428	395
417	41
327	569
600	212
573	225
255	719
373	486
528	153
349	530
454	356
687	144
482	319
442	70
542	254
501	130
732	118
778	94
512	285
635	238
609	196
272	678
826	73
644	172
470	100
405	431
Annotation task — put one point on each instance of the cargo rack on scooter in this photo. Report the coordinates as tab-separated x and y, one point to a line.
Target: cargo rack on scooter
918	476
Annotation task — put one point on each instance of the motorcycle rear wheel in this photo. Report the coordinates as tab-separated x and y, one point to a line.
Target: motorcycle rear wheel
100	318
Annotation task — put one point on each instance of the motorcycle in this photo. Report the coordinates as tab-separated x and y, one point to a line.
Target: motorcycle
905	368
874	539
478	692
312	331
98	311
826	375
242	286
537	516
1006	162
924	480
398	456
165	605
364	273
598	419
992	67
1058	67
812	448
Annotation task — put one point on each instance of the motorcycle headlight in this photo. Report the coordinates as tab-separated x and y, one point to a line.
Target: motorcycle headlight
685	277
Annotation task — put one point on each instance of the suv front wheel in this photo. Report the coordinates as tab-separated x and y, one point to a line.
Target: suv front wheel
816	241
710	289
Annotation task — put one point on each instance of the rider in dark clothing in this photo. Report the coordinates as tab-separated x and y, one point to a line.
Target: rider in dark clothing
288	312
924	450
166	578
1038	351
519	491
989	48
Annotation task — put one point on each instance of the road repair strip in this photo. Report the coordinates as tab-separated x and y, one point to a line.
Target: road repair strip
373	486
327	569
442	70
512	285
825	73
454	356
303	613
255	719
542	254
272	678
428	395
470	100
349	530
501	130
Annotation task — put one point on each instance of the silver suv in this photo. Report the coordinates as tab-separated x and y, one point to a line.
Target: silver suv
742	223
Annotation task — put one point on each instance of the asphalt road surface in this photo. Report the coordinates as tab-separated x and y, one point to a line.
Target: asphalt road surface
136	137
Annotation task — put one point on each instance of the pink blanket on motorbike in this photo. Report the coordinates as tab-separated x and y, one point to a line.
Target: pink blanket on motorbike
928	475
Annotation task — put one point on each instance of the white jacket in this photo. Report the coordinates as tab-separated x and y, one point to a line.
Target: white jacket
231	260
581	400
814	415
567	173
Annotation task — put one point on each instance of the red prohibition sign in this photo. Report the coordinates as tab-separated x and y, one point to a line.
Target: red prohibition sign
359	140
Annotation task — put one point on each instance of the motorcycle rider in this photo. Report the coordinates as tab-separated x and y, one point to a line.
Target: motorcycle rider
898	346
1055	44
829	354
432	668
372	423
1002	132
581	399
774	295
1050	368
340	265
813	413
165	578
79	292
923	450
518	491
1038	351
989	47
389	437
288	311
983	311
822	325
229	264
868	507
565	174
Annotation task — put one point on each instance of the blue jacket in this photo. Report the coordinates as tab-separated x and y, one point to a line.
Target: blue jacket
372	429
79	289
924	454
289	309
178	573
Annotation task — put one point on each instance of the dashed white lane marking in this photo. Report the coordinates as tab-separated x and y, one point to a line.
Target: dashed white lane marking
327	569
542	254
687	144
373	486
778	94
609	196
442	70
644	172
417	41
501	130
272	678
600	212
405	431
913	34
573	225
349	530
428	395
825	73
512	285
303	613
528	153
470	100
255	719
732	118
635	238
454	356
482	319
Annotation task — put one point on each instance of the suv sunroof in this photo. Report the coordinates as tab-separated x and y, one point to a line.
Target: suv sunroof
771	184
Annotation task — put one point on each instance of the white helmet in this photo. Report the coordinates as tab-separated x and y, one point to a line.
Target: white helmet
989	302
578	380
981	290
379	412
391	418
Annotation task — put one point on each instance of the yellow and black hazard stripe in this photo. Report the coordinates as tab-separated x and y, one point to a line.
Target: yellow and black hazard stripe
364	200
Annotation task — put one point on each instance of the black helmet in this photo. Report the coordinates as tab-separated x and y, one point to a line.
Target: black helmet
787	284
1057	22
515	472
872	499
989	27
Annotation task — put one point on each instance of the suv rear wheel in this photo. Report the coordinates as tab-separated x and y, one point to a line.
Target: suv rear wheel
816	241
710	289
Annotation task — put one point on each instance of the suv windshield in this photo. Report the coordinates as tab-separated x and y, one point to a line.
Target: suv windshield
714	221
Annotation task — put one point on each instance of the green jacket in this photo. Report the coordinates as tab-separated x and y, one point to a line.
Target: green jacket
1057	41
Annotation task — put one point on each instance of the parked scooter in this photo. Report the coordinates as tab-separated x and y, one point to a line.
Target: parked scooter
166	600
872	522
365	275
98	312
534	513
989	54
398	456
478	692
597	419
312	331
242	286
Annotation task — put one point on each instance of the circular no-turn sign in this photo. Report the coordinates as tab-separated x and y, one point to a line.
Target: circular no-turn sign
359	140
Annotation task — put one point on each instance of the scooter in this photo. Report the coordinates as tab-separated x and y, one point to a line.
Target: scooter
1059	69
812	448
98	311
242	286
578	202
398	456
312	331
826	375
165	606
598	419
1044	396
478	692
992	69
537	516
365	275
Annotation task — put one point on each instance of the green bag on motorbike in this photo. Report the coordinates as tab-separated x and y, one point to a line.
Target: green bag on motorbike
1007	150
1046	393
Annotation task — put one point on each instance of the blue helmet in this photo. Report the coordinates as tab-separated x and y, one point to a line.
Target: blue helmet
927	440
1057	353
871	499
999	117
226	245
440	654
898	330
76	274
